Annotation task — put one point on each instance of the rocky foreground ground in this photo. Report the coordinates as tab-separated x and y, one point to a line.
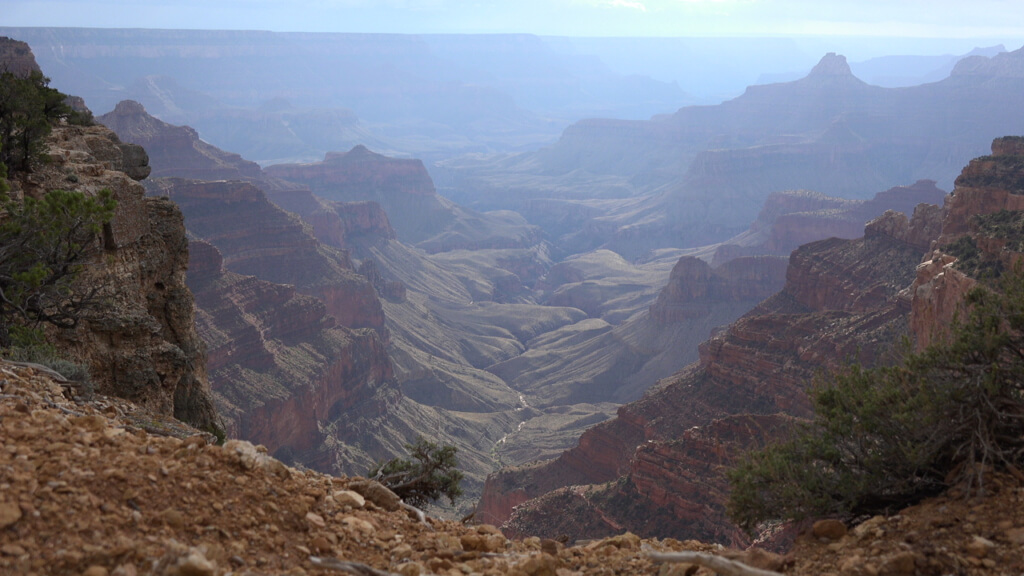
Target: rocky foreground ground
100	487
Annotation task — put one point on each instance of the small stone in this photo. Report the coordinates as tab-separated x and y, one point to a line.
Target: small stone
320	545
763	559
12	550
868	527
10	513
489	529
402	551
678	569
195	564
472	542
899	564
95	571
410	569
93	422
315	519
359	525
377	493
979	547
852	566
830	529
549	546
1015	535
126	570
627	541
173	518
349	498
495	543
541	565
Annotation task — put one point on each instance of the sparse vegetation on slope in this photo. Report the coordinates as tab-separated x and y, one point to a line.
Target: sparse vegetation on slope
44	244
429	475
883	438
28	110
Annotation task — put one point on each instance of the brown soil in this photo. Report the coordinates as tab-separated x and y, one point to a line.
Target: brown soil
99	487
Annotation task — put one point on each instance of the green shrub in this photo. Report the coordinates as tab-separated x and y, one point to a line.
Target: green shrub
886	437
28	110
430	474
44	245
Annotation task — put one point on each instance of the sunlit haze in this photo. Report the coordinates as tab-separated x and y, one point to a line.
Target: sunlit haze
900	18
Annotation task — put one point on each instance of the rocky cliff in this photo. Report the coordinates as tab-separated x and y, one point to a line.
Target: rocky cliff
258	238
294	361
17	57
980	237
171	146
144	345
283	368
694	286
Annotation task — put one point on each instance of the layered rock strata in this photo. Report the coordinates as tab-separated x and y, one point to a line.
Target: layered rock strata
663	456
142	345
257	238
284	369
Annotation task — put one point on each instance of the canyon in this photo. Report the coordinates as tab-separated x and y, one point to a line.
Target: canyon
557	322
489	340
658	467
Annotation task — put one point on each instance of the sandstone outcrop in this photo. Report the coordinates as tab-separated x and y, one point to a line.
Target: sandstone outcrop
282	367
403	188
17	57
171	147
694	285
257	238
143	346
972	244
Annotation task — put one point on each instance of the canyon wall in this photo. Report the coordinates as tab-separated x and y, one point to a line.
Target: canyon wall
141	344
657	467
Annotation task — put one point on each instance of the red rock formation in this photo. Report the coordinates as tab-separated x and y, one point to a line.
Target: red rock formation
676	480
257	238
280	365
403	188
693	285
175	150
364	223
360	174
793	218
987	185
17	57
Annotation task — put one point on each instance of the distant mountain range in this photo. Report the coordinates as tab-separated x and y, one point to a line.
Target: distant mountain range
700	175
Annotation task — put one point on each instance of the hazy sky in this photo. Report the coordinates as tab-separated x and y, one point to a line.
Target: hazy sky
915	18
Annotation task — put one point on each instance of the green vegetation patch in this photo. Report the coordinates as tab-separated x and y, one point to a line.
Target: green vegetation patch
1008	174
884	438
972	261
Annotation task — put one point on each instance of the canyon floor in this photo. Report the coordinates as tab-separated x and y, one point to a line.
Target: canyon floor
99	486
